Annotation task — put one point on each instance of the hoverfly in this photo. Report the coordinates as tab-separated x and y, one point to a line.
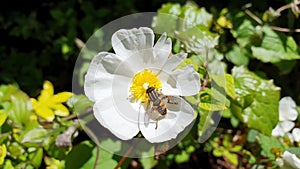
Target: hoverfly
158	109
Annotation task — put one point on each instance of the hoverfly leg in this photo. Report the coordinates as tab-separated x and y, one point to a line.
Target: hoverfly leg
147	113
156	125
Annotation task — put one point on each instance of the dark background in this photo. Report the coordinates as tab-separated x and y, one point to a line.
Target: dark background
33	34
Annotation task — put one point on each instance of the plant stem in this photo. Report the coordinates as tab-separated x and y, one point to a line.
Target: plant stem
126	155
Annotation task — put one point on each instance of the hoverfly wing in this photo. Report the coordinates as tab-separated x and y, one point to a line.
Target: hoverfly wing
171	99
147	114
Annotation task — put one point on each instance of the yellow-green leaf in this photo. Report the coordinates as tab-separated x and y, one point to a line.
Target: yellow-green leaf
3	117
2	153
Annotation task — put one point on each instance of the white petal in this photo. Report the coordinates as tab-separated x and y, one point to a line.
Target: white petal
127	42
290	136
296	134
162	50
291	160
277	131
287	109
109	116
144	59
279	161
152	58
183	82
102	71
174	61
287	126
178	117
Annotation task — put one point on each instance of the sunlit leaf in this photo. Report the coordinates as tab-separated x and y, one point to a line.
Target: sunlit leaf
219	151
225	81
192	16
182	157
275	47
232	157
3	152
17	105
3	117
262	112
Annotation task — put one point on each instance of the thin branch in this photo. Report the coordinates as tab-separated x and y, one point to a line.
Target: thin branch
126	155
279	10
253	16
71	117
287	6
97	158
280	29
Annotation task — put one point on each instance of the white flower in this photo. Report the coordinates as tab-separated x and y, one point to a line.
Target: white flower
288	161
296	135
287	114
117	83
287	109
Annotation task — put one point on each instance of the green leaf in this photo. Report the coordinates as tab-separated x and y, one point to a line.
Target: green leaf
3	117
252	135
207	123
275	47
166	19
212	107
113	146
261	112
192	16
219	151
35	136
226	113
182	157
243	33
81	156
36	158
170	8
236	148
232	157
148	161
238	56
213	100
197	39
294	150
16	150
234	122
84	155
79	103
269	143
225	81
18	105
8	165
187	62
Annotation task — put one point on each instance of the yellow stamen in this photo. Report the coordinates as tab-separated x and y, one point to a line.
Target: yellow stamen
141	82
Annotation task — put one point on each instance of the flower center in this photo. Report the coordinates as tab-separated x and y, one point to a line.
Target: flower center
141	82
